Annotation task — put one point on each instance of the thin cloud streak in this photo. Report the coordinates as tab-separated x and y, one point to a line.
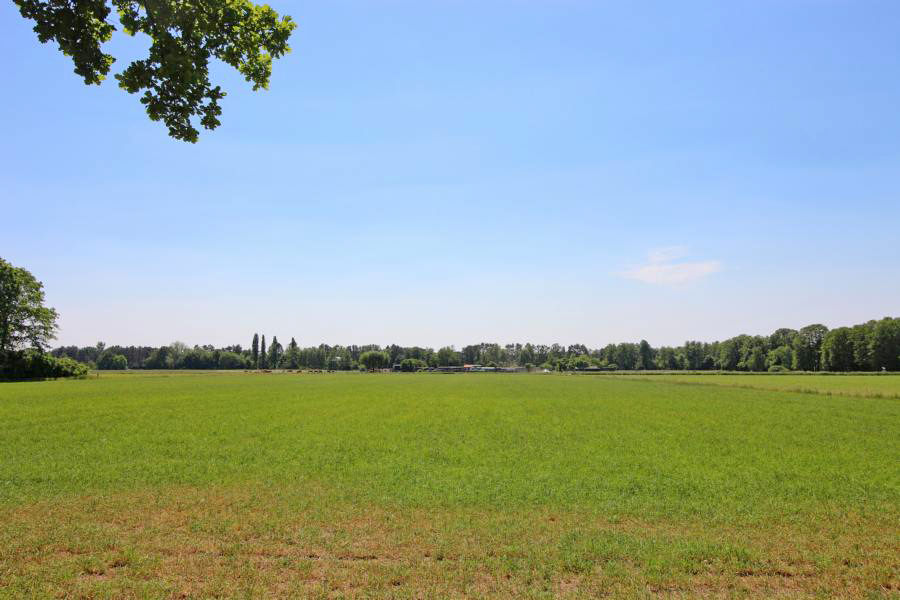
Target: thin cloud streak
662	270
667	254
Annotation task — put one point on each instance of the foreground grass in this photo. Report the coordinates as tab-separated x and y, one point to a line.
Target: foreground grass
256	541
443	486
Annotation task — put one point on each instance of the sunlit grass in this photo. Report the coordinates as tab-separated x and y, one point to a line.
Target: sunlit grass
871	385
457	485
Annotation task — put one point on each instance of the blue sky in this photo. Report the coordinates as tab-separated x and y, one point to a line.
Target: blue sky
452	172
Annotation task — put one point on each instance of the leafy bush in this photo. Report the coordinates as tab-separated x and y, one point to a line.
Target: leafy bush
34	364
778	369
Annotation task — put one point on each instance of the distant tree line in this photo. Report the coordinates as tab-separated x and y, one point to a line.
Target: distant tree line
871	346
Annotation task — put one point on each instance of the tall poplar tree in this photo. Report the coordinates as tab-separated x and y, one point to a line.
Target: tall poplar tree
263	359
254	350
275	353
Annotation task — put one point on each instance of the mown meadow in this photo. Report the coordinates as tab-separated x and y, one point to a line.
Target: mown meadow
428	485
840	384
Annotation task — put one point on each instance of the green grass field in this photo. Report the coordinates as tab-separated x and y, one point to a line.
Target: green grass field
870	385
355	485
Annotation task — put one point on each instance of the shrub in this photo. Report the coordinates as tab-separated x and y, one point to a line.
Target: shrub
34	364
778	369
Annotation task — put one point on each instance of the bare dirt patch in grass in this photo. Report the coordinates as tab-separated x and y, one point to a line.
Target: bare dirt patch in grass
258	542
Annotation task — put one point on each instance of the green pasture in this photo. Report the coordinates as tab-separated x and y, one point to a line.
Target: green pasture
661	485
871	385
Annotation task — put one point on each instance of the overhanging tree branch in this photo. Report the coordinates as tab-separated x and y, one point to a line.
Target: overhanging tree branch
185	35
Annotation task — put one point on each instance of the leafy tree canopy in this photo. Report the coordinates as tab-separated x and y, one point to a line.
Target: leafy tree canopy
110	361
24	320
184	35
374	360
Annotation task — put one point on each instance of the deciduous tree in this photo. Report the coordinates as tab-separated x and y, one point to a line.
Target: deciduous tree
645	356
374	360
448	357
184	36
808	347
885	344
110	361
837	350
291	358
24	320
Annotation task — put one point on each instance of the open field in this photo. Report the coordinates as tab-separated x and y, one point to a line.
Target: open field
251	485
870	385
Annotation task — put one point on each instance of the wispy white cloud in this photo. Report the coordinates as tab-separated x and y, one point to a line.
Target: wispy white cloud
667	254
662	267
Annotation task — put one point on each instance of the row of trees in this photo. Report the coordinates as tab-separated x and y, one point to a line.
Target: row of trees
27	326
872	346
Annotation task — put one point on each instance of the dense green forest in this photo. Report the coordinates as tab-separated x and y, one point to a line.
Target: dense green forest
872	346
